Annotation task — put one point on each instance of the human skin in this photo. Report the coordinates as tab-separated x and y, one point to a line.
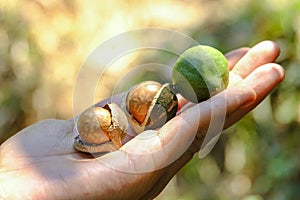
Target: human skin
39	162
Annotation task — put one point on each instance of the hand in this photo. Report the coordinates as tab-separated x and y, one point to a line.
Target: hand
39	162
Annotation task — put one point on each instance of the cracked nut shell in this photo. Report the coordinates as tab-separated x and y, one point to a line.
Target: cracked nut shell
101	129
150	105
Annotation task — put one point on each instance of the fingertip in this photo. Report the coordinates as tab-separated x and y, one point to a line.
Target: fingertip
265	78
262	53
273	72
269	46
277	70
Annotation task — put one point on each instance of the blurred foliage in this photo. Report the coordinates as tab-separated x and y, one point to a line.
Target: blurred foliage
43	44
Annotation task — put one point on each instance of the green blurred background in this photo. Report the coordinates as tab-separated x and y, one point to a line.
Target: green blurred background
43	44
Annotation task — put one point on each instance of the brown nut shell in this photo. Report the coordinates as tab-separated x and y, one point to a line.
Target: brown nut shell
139	99
89	125
150	105
104	147
118	129
101	129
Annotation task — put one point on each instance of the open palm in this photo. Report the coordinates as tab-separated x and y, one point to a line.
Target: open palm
39	162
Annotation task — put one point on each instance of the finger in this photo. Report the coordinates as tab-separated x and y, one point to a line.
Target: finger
234	56
262	53
262	80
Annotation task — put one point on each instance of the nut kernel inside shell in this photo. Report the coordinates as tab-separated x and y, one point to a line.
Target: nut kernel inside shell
90	125
140	98
99	125
154	103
